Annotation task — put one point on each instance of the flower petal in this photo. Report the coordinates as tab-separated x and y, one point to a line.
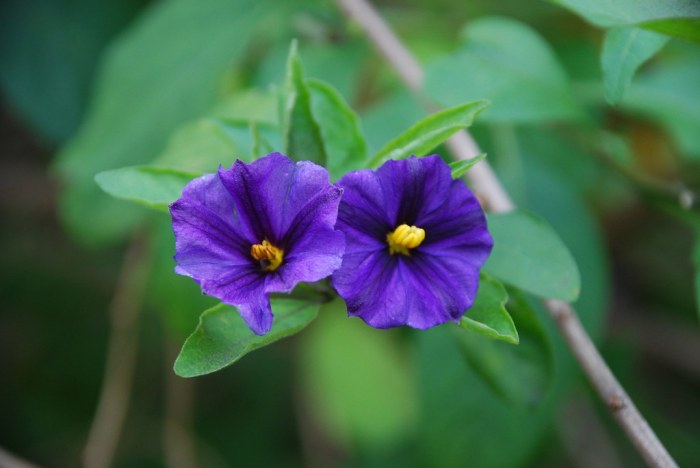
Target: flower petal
416	187
238	285
210	237
258	314
464	237
365	281
363	207
315	249
271	191
441	289
389	291
317	255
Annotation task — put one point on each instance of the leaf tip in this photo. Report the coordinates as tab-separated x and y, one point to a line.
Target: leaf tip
182	370
611	97
102	179
294	48
514	340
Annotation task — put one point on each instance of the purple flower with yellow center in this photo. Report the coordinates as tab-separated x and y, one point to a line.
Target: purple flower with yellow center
256	229
416	240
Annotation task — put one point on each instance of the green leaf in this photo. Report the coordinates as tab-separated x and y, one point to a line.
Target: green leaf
484	416
222	337
429	132
51	50
201	146
682	28
520	374
358	381
343	142
528	254
678	18
302	135
488	316
669	95
248	105
625	49
508	63
165	70
155	187
224	135
389	117
338	63
459	168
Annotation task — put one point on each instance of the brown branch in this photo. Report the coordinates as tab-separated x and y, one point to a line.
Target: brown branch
121	357
607	386
489	189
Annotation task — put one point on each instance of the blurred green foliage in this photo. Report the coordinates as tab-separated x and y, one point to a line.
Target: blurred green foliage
177	84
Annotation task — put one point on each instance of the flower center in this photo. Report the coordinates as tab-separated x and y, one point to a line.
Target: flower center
269	256
403	238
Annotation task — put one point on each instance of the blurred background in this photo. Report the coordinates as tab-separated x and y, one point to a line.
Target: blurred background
89	86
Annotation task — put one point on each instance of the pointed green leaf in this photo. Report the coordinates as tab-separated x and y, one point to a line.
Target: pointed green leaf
682	28
222	337
430	132
522	374
488	316
343	141
625	49
302	135
677	18
528	253
155	187
459	168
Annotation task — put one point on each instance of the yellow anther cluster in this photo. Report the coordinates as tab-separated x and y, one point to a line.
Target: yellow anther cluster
269	256
404	238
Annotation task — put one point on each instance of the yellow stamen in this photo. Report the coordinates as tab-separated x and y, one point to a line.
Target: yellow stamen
269	256
403	238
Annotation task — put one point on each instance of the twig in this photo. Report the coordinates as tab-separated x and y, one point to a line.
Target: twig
490	190
609	389
121	358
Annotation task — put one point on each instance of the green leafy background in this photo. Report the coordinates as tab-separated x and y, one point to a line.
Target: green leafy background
592	124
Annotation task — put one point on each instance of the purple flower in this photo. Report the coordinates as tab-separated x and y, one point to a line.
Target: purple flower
416	240
255	229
